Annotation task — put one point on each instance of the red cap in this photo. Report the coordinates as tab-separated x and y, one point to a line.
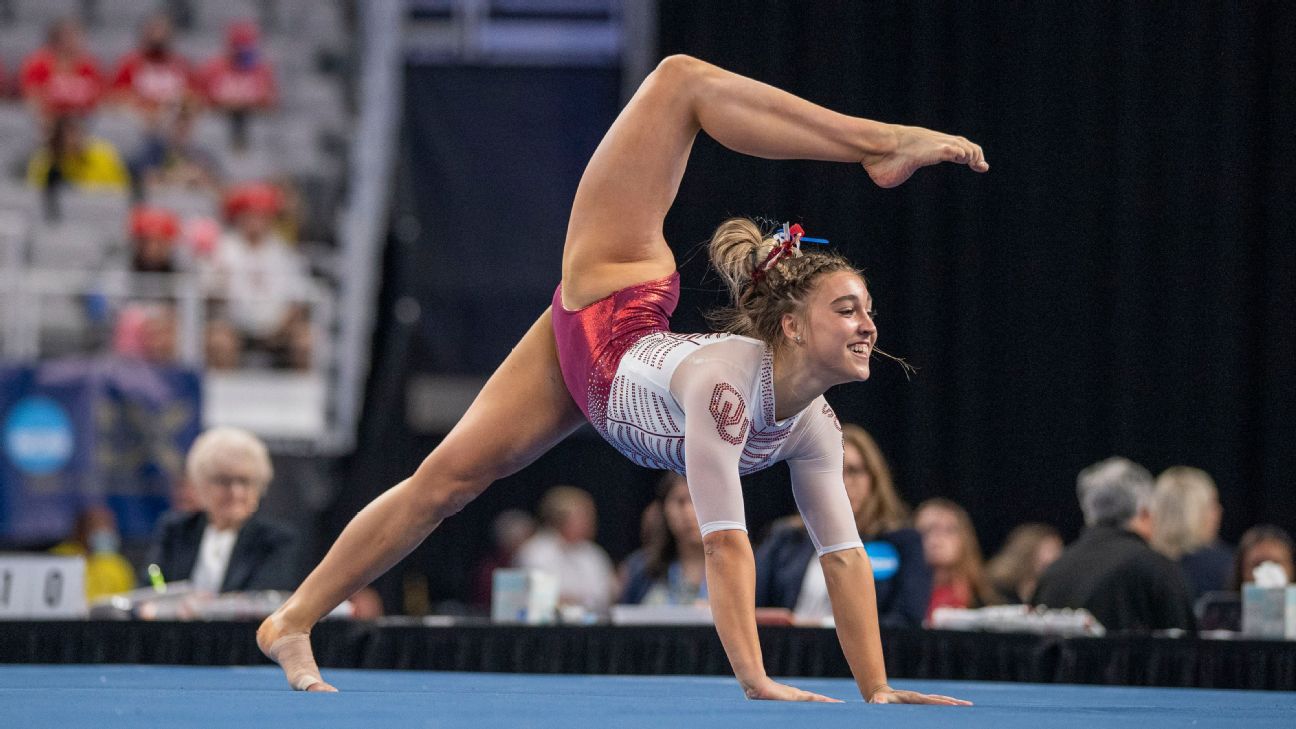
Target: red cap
151	222
242	33
256	197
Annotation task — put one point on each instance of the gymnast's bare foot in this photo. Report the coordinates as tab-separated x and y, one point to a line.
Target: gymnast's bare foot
915	147
291	649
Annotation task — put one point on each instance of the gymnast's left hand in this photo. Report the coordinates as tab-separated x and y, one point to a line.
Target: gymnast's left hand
888	695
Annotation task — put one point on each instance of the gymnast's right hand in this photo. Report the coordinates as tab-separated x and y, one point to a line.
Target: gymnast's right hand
914	147
770	690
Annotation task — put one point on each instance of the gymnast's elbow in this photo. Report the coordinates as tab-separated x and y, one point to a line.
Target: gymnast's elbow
844	559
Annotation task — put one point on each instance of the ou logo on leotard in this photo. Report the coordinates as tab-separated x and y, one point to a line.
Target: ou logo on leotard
728	409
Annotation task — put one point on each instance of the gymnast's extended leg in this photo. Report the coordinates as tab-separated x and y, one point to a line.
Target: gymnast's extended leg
523	411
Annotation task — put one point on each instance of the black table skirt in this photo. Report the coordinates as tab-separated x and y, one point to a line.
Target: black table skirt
927	654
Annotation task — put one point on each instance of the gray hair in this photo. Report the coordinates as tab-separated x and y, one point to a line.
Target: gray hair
1113	491
223	444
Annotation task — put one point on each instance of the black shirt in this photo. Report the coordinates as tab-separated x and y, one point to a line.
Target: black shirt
1115	575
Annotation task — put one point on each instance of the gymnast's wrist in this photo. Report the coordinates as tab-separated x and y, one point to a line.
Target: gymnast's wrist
876	690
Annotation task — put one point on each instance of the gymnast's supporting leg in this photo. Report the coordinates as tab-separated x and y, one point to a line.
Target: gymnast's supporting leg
522	412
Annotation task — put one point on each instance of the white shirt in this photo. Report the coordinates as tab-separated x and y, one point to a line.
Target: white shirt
583	569
213	558
703	405
261	282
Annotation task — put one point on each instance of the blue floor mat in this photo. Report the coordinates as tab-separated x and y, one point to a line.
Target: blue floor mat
111	697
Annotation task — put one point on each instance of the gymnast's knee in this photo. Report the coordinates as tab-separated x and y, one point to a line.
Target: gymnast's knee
444	488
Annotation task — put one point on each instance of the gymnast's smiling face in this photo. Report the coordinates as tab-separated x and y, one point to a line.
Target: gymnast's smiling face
836	327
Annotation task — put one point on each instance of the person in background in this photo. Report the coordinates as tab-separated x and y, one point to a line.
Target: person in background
366	604
954	554
1028	551
510	530
670	569
95	537
240	81
1186	527
71	157
228	546
153	233
152	78
788	573
263	282
61	77
1260	544
564	548
169	158
1110	570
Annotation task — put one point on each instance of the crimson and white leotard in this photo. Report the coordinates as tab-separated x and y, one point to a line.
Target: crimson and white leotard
701	405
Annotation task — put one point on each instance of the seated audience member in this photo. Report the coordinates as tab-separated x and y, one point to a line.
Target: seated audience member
146	332
169	158
61	77
227	546
1260	544
262	281
670	569
1186	527
366	604
152	77
564	548
73	158
788	573
953	552
1028	551
510	530
95	537
153	233
241	80
1110	570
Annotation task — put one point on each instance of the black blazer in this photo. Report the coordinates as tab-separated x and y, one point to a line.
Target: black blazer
264	555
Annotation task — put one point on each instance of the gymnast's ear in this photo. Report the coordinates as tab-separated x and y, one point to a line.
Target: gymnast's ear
792	328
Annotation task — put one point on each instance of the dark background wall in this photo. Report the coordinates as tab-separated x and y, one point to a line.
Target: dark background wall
1123	281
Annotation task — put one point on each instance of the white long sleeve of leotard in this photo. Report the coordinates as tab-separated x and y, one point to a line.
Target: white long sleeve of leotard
722	389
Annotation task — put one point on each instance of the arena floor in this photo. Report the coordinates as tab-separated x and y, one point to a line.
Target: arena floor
108	697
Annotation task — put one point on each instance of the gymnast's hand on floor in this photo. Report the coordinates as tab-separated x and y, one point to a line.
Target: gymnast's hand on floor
916	147
888	695
768	690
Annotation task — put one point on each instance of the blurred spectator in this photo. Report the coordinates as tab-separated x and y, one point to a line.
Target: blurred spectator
1260	544
95	537
564	549
146	331
71	157
788	573
1028	551
61	77
670	569
952	551
366	604
169	158
153	233
240	81
263	282
228	545
153	77
1186	522
510	530
1110	570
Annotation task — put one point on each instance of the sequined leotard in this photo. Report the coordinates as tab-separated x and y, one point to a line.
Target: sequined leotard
701	405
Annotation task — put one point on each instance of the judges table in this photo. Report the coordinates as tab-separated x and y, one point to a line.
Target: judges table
666	650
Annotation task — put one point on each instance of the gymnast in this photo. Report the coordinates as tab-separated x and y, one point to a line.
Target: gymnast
712	407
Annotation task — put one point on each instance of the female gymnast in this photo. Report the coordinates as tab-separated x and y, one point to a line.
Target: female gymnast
710	406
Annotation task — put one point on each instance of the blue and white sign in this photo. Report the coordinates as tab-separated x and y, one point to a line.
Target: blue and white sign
38	436
885	559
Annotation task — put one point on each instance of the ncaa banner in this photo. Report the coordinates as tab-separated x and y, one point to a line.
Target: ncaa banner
80	432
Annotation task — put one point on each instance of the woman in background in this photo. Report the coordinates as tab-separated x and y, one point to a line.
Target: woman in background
670	569
954	555
1028	551
1186	527
789	576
